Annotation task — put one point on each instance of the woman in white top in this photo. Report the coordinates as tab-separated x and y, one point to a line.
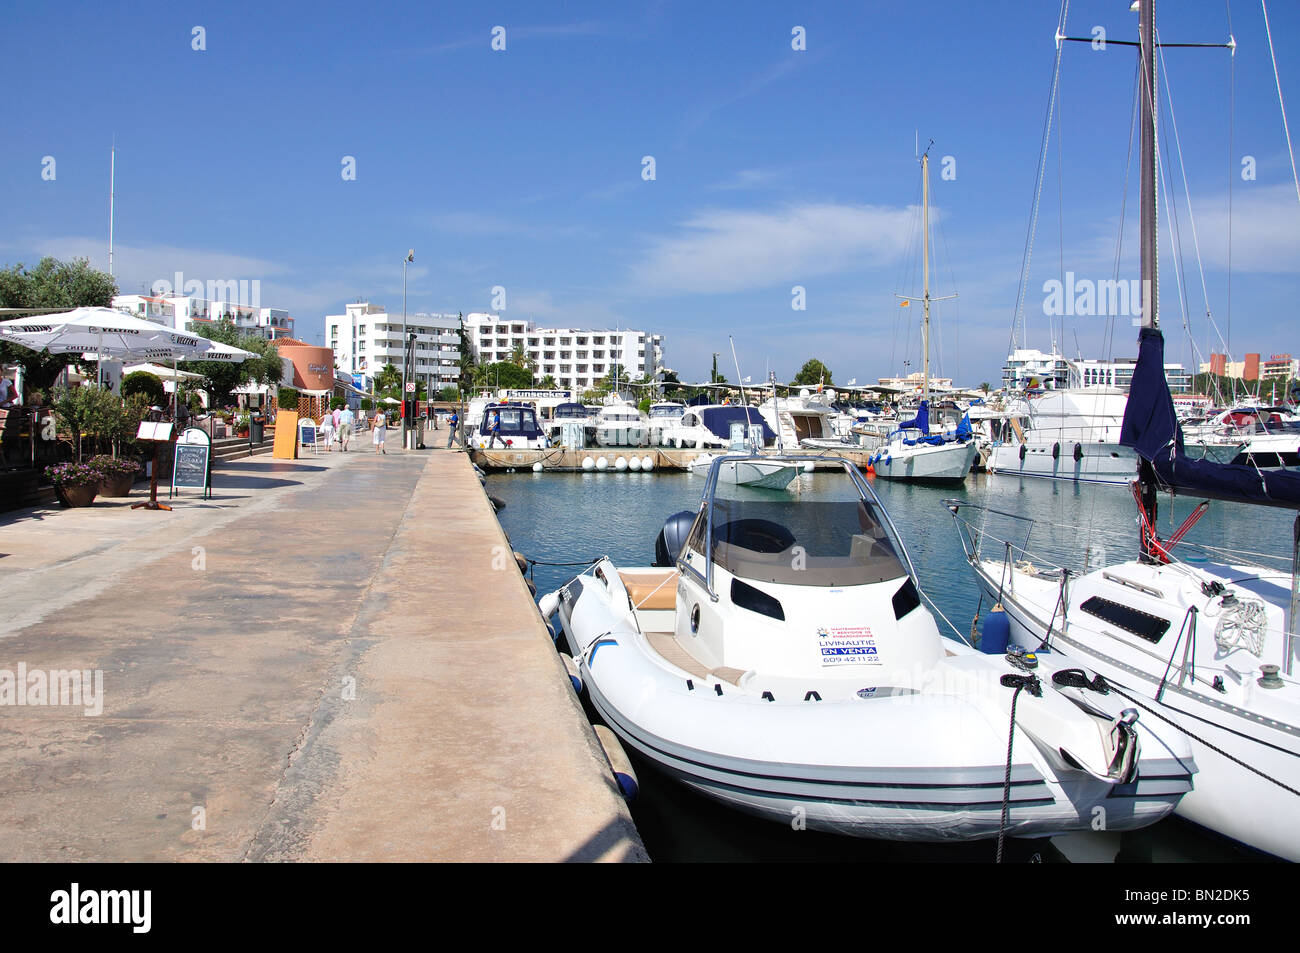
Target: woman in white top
381	430
327	430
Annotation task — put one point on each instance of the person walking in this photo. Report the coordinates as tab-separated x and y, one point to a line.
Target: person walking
327	430
495	431
337	415
452	423
347	420
380	431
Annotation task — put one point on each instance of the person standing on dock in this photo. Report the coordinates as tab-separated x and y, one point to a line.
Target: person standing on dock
452	424
495	431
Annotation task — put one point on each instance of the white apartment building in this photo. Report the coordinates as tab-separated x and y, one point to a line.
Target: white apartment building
1119	374
188	313
366	337
578	360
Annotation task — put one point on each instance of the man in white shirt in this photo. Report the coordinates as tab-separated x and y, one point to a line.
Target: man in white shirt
347	420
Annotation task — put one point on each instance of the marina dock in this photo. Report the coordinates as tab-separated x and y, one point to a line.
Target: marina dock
333	659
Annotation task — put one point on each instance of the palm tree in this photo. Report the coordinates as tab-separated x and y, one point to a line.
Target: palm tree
548	383
389	376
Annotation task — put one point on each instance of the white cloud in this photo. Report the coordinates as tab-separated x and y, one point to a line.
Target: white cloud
1265	230
724	251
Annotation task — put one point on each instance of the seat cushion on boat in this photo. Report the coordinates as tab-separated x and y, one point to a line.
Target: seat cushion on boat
651	590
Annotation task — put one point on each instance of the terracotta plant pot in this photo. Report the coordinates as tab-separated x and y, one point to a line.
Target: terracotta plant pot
116	486
76	495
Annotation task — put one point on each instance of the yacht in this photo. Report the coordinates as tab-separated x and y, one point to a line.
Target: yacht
710	426
663	415
620	424
777	657
519	429
802	422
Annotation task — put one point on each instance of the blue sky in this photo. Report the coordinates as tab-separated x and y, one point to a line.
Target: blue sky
773	167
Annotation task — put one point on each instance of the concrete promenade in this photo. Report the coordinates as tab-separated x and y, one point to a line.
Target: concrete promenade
334	659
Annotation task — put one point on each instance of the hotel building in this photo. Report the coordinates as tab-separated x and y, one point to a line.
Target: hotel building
578	359
366	337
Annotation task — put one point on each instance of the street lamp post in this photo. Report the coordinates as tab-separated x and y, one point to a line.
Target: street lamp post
410	257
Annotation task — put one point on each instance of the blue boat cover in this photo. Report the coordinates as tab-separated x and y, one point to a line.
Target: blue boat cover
720	419
964	431
921	421
1151	429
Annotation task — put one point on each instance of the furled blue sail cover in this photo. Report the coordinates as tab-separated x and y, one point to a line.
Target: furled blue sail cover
1151	429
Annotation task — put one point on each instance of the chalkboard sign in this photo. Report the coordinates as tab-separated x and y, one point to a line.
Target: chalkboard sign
191	467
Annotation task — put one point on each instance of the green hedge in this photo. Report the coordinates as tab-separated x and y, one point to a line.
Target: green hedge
287	398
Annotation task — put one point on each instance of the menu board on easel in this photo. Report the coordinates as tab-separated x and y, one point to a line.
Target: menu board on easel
192	465
286	435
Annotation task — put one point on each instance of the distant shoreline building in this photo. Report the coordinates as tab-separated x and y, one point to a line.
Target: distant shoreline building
578	359
1279	367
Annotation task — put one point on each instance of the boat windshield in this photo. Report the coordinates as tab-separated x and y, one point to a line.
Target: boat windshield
666	410
820	533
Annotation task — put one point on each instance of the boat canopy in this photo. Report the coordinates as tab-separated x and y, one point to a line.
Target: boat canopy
1151	429
570	412
720	419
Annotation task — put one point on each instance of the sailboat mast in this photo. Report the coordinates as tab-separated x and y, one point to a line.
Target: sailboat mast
925	228
1150	158
112	164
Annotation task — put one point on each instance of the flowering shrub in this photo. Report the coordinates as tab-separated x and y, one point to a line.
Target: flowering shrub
72	474
110	467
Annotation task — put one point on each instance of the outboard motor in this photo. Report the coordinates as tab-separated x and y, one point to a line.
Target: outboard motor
672	538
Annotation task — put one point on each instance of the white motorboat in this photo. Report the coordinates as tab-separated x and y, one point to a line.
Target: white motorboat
572	417
710	426
1070	435
752	472
662	416
620	424
1261	437
803	422
777	658
518	429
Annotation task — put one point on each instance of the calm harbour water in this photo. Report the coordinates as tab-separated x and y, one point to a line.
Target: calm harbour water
573	517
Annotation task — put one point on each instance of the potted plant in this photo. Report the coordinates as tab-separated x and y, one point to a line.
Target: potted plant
117	474
241	425
75	484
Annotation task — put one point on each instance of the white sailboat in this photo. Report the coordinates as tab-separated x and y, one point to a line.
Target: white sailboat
912	452
1208	645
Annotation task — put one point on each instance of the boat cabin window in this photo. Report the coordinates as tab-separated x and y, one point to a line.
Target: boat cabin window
826	535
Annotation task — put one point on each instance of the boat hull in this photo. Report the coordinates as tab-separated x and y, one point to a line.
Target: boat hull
947	463
1227	797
